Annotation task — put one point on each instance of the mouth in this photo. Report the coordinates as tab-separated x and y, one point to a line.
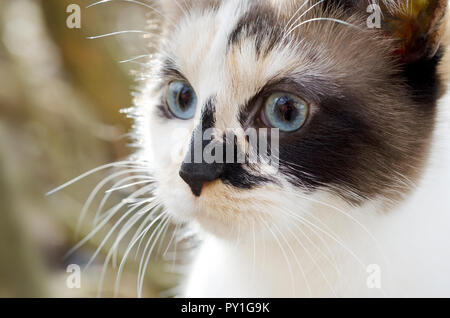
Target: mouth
214	209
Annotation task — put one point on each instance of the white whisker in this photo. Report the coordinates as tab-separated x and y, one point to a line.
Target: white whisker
110	214
362	226
119	164
117	33
299	264
130	223
142	269
148	6
135	58
301	16
105	239
129	185
94	193
286	258
128	250
323	19
293	16
172	239
108	195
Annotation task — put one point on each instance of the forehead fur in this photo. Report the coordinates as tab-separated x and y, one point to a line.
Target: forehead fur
235	49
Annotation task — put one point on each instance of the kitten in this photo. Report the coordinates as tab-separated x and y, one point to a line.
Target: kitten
358	203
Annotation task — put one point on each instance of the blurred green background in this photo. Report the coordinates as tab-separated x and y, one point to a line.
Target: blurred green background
60	101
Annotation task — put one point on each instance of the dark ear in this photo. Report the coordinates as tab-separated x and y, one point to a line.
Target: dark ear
417	25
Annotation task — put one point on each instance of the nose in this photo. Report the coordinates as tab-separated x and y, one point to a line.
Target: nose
196	171
197	174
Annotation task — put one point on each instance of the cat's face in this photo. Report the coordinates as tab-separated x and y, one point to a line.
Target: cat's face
354	113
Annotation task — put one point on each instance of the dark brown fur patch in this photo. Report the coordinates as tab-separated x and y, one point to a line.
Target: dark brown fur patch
358	145
260	24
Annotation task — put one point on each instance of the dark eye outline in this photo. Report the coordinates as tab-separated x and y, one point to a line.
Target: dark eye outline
266	122
168	107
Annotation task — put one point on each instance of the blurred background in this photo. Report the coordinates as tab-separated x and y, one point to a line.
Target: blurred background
60	101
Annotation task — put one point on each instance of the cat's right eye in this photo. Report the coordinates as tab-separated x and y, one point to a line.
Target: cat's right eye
181	100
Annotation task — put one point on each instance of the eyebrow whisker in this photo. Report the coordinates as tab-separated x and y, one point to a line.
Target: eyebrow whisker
323	19
135	2
118	33
135	58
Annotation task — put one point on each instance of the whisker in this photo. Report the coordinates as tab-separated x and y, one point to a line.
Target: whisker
126	228
291	273
296	260
105	239
175	248
309	253
128	250
301	16
108	195
300	218
135	58
94	193
117	33
331	258
363	227
90	172
134	2
122	233
110	214
162	238
143	269
324	19
172	239
152	208
294	15
185	13
129	185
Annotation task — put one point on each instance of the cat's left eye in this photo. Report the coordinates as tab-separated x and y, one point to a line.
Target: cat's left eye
285	111
181	100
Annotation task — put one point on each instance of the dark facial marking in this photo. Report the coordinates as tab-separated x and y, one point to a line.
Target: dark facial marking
197	174
259	23
208	119
170	71
235	174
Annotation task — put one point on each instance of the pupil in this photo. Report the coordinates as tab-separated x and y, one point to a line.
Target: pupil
184	98
286	110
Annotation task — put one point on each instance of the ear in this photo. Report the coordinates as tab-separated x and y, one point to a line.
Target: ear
416	25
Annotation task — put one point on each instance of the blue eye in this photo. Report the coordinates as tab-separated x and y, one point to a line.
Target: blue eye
181	100
285	112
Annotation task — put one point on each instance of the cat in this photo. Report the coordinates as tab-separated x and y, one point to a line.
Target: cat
358	204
